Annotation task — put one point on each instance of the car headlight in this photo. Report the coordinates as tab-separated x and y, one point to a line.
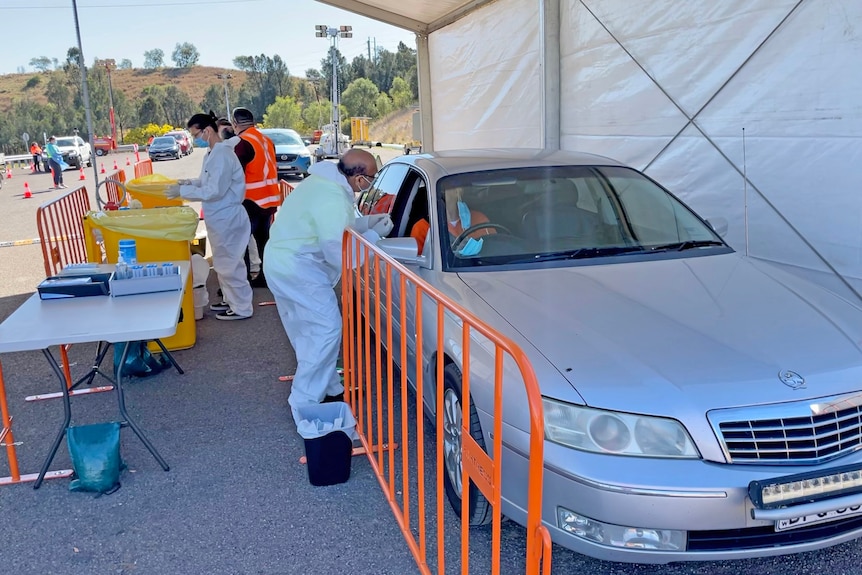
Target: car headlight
305	154
616	433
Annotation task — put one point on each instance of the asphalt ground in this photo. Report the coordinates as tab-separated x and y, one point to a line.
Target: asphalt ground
236	499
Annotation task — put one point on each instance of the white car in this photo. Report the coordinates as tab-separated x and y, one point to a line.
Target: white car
76	152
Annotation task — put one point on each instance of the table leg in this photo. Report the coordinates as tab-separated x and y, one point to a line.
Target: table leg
91	375
121	399
170	357
67	417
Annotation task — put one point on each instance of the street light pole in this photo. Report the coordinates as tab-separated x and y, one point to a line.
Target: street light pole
110	64
225	78
323	31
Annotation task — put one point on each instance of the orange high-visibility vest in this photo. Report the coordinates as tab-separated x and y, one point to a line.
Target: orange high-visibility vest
261	173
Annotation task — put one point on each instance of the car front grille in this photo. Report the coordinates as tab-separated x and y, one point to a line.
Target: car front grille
810	432
287	158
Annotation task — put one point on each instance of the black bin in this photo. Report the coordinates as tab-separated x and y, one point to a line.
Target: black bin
327	429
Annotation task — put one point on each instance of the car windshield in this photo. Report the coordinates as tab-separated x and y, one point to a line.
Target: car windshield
164	141
527	215
65	142
280	138
177	137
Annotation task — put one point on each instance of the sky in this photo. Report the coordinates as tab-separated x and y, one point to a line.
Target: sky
219	29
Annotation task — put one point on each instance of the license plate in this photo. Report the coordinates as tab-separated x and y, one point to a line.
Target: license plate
825	517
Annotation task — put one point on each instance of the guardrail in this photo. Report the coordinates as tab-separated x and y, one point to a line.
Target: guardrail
381	409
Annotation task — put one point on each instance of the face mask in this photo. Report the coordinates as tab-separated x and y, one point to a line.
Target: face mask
471	248
366	188
200	142
464	214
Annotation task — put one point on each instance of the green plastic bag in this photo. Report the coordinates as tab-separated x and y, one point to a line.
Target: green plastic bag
139	361
95	453
177	223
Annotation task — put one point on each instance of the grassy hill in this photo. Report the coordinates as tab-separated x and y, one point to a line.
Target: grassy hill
194	81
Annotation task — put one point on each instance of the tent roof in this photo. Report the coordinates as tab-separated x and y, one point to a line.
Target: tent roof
421	16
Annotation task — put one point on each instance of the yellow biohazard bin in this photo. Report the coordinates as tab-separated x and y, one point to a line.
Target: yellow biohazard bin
150	191
161	235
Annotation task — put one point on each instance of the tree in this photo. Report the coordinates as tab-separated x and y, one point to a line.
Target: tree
185	55
401	94
316	114
42	63
178	106
125	64
383	104
360	98
285	112
154	58
266	79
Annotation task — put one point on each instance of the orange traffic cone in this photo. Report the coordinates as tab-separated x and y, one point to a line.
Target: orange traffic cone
27	193
32	167
128	163
102	171
115	164
81	175
202	213
8	173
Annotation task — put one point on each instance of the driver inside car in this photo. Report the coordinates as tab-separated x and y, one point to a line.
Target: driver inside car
459	217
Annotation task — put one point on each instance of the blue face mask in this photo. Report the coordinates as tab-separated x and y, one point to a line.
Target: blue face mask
464	214
471	248
200	142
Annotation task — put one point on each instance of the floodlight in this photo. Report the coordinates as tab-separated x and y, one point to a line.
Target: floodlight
345	28
347	34
321	27
320	34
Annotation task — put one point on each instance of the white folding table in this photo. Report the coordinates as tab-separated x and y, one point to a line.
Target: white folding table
40	324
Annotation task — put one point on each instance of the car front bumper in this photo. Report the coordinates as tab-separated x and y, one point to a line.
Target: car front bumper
707	501
297	167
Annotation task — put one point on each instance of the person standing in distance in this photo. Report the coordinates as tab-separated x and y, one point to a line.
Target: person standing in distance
55	162
221	189
262	194
303	264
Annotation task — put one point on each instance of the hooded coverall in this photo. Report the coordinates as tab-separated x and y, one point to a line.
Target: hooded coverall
221	190
302	264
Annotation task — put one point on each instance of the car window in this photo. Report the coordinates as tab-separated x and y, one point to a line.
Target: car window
66	142
79	141
381	198
284	138
164	140
526	215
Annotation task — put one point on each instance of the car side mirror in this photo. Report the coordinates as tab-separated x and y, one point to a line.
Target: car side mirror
718	225
404	250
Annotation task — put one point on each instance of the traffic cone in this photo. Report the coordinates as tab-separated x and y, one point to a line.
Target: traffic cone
115	164
102	171
128	163
8	173
81	175
202	213
32	167
27	193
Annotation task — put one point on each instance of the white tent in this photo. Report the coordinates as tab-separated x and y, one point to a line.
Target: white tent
735	106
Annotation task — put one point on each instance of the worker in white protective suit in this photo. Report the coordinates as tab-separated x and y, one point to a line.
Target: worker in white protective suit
221	190
302	264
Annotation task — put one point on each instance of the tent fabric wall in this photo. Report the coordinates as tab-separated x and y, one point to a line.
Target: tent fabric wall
670	87
486	81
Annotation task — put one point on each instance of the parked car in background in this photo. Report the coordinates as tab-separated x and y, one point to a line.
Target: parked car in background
698	404
104	145
76	152
291	154
164	147
184	138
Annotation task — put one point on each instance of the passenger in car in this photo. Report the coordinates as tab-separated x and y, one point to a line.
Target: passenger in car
459	217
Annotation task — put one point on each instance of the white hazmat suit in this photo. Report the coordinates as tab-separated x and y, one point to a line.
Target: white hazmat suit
302	264
221	190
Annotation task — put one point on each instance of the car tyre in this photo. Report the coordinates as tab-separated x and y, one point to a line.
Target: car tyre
480	508
100	152
78	164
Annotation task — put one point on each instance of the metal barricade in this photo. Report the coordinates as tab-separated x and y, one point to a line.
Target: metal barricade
285	188
383	426
143	168
113	190
61	230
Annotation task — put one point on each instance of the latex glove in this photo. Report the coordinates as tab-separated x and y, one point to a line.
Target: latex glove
471	248
184	182
172	191
383	225
364	223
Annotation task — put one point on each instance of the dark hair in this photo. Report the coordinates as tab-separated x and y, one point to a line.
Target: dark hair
201	121
243	116
349	171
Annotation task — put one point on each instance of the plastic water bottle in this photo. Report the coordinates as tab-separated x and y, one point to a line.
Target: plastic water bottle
128	251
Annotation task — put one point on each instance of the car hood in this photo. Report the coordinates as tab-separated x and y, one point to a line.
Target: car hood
295	149
682	336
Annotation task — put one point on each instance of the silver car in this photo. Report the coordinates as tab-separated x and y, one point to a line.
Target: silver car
698	404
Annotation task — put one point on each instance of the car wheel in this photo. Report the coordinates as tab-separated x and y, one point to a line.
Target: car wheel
100	152
480	508
78	163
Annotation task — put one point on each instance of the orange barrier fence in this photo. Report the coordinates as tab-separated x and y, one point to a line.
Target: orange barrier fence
113	190
143	168
61	230
376	295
